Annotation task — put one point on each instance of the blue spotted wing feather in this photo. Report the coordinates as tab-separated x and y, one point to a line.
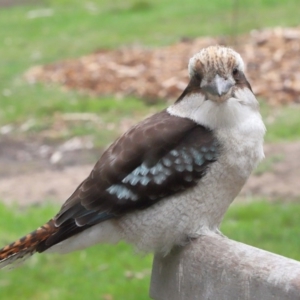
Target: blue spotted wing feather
161	156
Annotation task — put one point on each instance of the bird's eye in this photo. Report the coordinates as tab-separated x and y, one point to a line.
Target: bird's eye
235	71
197	76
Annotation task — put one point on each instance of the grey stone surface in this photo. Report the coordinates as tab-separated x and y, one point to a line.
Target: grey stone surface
217	268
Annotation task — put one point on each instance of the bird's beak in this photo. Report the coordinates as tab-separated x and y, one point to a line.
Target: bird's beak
217	87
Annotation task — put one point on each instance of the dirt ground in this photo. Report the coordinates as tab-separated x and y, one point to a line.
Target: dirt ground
280	179
33	173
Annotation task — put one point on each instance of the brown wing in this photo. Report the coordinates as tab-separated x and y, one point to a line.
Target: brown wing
161	156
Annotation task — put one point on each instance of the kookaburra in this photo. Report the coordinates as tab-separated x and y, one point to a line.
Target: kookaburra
171	177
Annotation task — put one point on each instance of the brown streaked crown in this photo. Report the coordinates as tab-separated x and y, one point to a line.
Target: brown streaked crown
215	60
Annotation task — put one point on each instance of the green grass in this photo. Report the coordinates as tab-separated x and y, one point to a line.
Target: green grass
73	28
270	226
114	271
78	27
283	123
100	272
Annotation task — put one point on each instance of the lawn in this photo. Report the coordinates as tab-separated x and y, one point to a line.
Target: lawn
116	272
55	29
60	29
102	272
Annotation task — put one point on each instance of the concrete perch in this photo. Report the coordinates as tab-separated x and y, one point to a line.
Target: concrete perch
217	268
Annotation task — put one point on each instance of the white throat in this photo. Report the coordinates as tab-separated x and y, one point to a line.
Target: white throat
236	123
232	113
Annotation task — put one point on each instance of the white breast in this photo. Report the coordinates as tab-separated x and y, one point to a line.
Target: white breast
238	127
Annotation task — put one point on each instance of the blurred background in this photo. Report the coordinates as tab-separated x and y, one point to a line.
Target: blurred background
76	74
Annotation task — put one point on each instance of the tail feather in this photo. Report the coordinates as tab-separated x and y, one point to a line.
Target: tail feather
27	245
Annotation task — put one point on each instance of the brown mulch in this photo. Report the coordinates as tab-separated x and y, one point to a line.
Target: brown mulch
272	58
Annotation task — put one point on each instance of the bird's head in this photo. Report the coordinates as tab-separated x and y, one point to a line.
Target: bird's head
216	71
218	94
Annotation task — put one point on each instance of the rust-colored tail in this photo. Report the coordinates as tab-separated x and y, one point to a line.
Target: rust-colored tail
27	245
